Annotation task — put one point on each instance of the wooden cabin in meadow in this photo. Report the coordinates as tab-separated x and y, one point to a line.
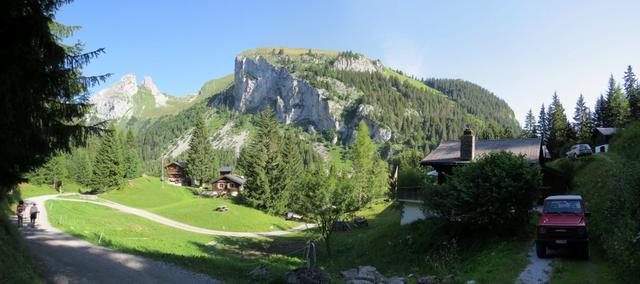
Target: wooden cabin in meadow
175	172
227	184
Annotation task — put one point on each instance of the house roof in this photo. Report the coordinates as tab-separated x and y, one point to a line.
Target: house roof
448	152
231	177
179	164
606	131
226	169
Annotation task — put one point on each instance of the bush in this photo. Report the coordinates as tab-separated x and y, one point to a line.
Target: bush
492	195
610	186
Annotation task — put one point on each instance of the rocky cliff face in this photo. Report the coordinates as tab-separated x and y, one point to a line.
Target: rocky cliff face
158	97
116	101
259	84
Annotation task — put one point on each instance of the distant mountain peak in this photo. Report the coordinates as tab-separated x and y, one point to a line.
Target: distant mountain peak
160	98
127	86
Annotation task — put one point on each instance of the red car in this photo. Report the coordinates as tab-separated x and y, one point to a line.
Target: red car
563	223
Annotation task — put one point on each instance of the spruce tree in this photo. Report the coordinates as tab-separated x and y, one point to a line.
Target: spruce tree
543	125
632	92
131	157
530	128
617	106
370	172
108	169
199	165
582	120
599	116
293	168
559	127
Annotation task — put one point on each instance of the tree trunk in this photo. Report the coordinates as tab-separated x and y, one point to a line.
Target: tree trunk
327	243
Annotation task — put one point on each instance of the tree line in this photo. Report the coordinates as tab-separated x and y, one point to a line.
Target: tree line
618	106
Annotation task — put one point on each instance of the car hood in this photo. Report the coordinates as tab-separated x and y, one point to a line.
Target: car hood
561	220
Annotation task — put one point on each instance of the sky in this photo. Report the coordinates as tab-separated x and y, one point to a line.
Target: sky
522	51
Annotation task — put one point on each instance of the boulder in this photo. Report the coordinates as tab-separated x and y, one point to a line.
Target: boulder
431	279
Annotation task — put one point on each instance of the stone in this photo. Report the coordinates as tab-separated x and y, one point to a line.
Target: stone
349	274
428	279
448	279
394	280
307	276
471	282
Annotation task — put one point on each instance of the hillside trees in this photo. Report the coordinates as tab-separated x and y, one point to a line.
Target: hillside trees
599	116
44	92
108	166
617	107
131	161
199	166
582	120
530	127
370	172
543	125
632	90
560	132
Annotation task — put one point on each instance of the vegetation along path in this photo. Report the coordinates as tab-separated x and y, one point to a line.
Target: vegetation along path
537	271
66	259
185	227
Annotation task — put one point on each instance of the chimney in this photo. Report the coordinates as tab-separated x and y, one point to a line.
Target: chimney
467	145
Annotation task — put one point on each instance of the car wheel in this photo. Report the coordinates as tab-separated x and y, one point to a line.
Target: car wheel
541	250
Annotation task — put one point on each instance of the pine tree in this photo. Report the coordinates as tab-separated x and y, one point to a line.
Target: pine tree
543	124
633	93
293	166
582	120
199	166
370	172
530	128
108	170
131	157
617	106
559	127
599	117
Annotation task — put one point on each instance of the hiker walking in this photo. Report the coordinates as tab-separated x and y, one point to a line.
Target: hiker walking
34	214
20	212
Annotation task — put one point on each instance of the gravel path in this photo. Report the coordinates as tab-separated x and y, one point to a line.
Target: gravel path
185	227
538	271
66	259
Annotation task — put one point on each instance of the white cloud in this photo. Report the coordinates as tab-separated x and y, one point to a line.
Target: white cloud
405	55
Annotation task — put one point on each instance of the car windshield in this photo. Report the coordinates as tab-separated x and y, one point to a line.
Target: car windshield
562	206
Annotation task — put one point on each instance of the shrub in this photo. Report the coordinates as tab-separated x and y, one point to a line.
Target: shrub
492	195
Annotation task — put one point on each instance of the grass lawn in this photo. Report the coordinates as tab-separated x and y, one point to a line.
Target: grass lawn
180	204
221	257
26	190
576	271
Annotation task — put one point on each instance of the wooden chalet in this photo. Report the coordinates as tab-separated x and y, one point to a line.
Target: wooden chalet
227	184
601	137
175	172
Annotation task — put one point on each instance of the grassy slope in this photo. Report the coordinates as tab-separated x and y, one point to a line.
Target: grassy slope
140	236
27	190
179	203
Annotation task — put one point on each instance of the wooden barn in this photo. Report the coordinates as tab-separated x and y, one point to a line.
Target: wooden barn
175	172
227	184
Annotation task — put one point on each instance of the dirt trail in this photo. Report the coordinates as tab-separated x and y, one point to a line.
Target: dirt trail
185	227
537	271
66	259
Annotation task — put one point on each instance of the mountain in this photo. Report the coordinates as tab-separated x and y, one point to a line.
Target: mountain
126	99
324	93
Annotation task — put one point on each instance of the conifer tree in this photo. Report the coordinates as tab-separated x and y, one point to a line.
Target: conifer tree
131	157
530	128
108	169
370	172
543	124
633	93
582	120
599	116
199	166
559	127
617	106
292	167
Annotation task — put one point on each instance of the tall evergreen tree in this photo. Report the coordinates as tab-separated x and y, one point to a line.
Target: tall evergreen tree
599	116
44	95
617	106
633	92
132	162
293	168
559	127
543	124
370	172
199	164
582	120
530	127
108	169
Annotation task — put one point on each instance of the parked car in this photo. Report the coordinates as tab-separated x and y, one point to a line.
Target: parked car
563	223
579	150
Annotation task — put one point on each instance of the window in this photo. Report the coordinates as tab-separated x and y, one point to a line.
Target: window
562	206
231	185
220	185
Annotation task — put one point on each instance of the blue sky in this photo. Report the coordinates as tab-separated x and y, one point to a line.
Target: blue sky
522	51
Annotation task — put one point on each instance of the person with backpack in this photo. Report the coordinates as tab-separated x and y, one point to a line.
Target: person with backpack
19	212
34	214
